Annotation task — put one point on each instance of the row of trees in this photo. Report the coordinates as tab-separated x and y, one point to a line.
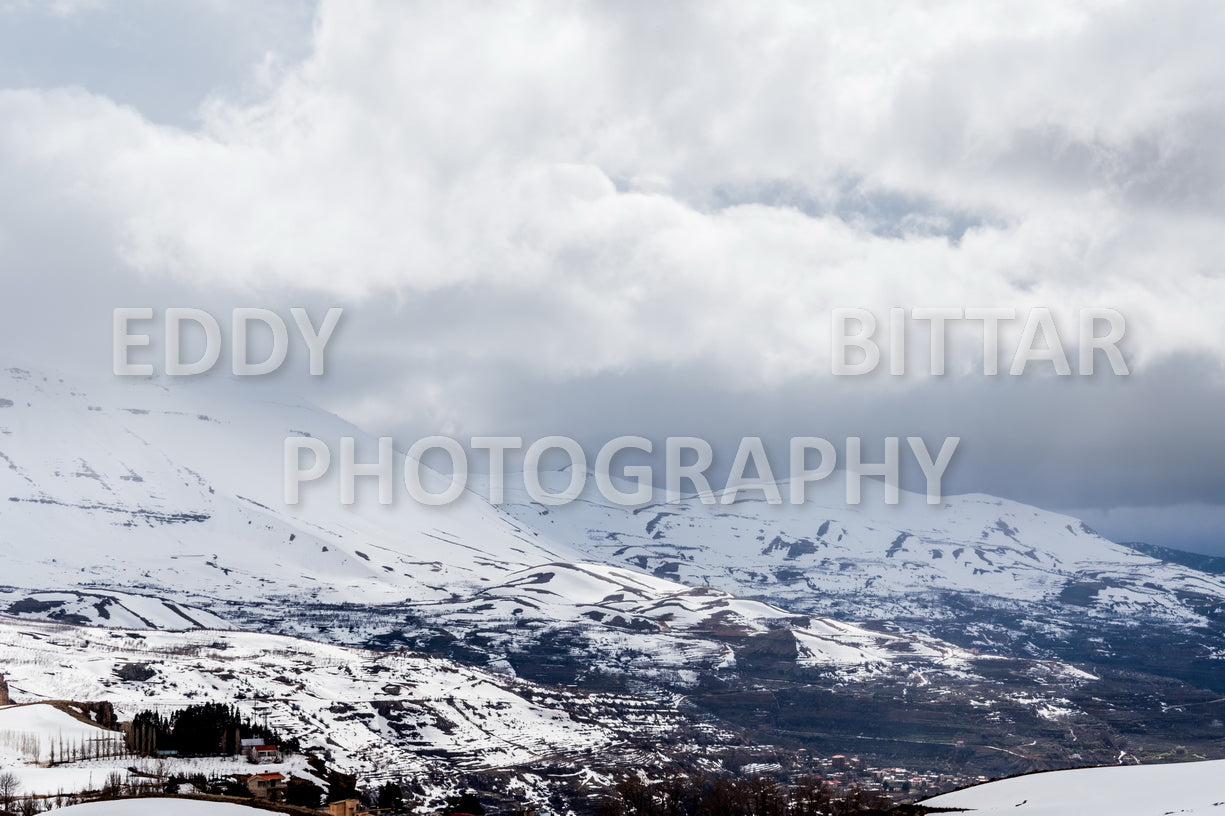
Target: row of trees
208	729
61	750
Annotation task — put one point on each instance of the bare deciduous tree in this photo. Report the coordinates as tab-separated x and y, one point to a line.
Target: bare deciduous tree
10	785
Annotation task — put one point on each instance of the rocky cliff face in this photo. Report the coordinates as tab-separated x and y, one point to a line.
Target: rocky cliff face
4	692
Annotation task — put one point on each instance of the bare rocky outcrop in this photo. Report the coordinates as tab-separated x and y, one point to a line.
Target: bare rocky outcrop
100	713
4	692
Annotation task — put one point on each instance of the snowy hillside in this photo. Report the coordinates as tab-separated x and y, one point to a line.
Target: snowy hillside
138	486
669	626
34	733
107	607
1191	788
382	715
978	571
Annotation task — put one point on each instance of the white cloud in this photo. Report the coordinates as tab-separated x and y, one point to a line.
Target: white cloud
579	153
567	191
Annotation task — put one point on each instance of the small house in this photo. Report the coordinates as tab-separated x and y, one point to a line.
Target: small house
267	785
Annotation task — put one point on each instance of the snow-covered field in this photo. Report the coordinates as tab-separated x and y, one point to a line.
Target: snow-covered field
1186	789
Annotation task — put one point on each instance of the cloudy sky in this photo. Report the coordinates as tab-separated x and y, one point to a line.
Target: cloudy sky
594	219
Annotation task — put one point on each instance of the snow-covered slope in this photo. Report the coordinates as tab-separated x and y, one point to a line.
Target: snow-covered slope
669	625
1190	789
34	733
140	486
108	608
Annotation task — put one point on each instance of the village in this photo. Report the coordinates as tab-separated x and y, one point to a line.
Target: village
201	752
901	785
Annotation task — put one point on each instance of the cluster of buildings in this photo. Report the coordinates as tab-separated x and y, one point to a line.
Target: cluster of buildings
847	774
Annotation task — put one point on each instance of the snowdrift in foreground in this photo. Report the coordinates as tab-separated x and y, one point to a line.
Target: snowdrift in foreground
1189	789
159	807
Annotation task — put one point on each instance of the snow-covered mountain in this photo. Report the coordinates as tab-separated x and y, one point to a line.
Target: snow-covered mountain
138	504
160	507
141	486
875	560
